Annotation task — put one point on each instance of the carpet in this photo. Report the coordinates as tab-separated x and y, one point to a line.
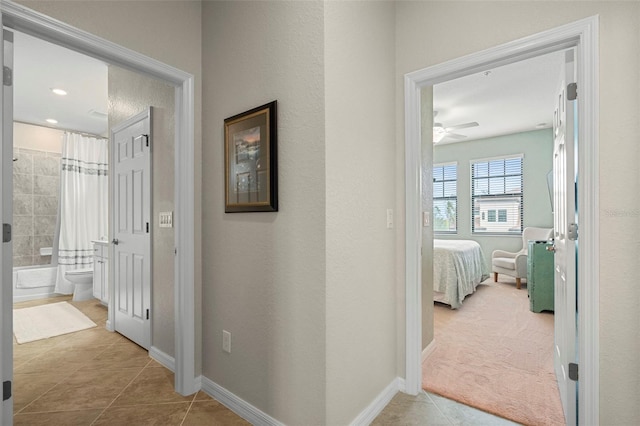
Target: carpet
42	322
496	355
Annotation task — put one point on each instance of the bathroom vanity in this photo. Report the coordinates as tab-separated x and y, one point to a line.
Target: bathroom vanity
101	271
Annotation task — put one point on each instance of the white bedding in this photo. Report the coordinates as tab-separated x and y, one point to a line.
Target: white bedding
458	268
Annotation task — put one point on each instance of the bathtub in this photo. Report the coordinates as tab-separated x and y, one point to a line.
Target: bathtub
34	282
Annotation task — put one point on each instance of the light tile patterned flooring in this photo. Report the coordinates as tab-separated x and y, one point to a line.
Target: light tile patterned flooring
95	377
432	410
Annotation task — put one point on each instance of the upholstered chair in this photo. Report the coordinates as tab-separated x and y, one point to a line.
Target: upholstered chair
515	264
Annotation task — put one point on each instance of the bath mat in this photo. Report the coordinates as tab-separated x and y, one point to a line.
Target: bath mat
44	321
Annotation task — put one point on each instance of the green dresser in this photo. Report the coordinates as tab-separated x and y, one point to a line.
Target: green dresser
540	276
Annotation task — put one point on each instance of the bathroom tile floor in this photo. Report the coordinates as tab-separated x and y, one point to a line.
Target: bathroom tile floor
95	377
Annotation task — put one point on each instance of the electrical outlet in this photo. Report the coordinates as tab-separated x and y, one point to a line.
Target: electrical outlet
389	218
226	341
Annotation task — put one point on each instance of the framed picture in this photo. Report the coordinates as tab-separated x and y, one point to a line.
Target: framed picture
251	164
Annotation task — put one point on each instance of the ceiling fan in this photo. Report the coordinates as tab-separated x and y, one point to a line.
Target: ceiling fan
440	132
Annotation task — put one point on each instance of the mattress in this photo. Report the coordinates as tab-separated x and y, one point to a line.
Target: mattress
458	268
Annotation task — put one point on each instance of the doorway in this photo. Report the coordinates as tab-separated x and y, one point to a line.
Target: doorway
22	19
583	36
490	167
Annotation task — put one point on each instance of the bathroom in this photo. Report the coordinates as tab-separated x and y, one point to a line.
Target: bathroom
61	108
106	98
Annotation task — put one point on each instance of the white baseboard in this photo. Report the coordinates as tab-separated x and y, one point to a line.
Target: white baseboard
164	359
236	404
428	350
401	385
378	404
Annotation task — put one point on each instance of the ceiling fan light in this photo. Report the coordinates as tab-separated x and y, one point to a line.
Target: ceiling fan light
438	132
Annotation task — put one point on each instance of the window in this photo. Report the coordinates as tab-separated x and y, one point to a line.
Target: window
445	198
496	196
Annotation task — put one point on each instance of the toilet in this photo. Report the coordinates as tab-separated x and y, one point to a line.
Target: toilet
83	280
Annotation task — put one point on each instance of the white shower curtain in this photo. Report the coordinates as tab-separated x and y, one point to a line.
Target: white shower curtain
84	203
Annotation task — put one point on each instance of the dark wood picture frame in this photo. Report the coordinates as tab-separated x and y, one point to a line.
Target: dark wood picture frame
251	161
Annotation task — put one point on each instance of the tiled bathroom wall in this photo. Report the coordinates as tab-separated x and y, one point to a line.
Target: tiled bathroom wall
36	186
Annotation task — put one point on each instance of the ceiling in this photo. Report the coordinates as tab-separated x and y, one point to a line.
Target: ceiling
40	66
513	98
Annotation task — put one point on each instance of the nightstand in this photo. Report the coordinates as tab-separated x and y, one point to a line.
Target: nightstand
540	276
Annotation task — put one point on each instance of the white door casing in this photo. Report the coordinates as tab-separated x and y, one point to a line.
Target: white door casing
6	217
564	197
43	27
131	228
583	35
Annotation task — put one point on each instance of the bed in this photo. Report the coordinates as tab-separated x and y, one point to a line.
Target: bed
458	268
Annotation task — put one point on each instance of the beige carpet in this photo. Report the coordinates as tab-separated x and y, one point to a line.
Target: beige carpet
496	355
44	321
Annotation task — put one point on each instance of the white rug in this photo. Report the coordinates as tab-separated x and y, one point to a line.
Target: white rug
42	322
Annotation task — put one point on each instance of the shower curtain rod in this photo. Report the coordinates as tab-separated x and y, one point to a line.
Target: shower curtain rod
92	135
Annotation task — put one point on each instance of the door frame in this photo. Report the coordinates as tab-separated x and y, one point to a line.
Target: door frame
583	35
41	26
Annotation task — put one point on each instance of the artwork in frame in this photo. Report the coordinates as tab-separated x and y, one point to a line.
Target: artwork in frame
251	163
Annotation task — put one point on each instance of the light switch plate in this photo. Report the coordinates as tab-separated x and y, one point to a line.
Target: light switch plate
166	220
426	219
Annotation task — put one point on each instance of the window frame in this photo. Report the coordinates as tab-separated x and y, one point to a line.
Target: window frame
496	196
443	198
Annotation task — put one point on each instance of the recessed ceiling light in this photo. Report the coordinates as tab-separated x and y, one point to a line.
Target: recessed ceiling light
59	91
51	121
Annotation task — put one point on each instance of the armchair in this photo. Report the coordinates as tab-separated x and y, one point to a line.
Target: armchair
515	264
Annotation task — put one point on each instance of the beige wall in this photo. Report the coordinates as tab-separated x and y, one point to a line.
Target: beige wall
360	187
270	278
129	94
265	273
424	38
29	136
169	31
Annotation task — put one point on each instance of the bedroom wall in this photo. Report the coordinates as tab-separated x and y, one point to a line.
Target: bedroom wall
426	123
423	39
537	147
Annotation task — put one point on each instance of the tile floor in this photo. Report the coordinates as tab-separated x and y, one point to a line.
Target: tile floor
94	377
433	410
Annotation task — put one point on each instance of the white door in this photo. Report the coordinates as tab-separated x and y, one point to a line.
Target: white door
565	234
6	250
131	183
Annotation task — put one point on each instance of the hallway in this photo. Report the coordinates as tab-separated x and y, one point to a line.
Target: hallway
95	377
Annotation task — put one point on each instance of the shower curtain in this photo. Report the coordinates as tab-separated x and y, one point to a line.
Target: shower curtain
84	203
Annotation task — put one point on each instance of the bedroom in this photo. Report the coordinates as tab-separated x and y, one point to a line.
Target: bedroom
492	130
